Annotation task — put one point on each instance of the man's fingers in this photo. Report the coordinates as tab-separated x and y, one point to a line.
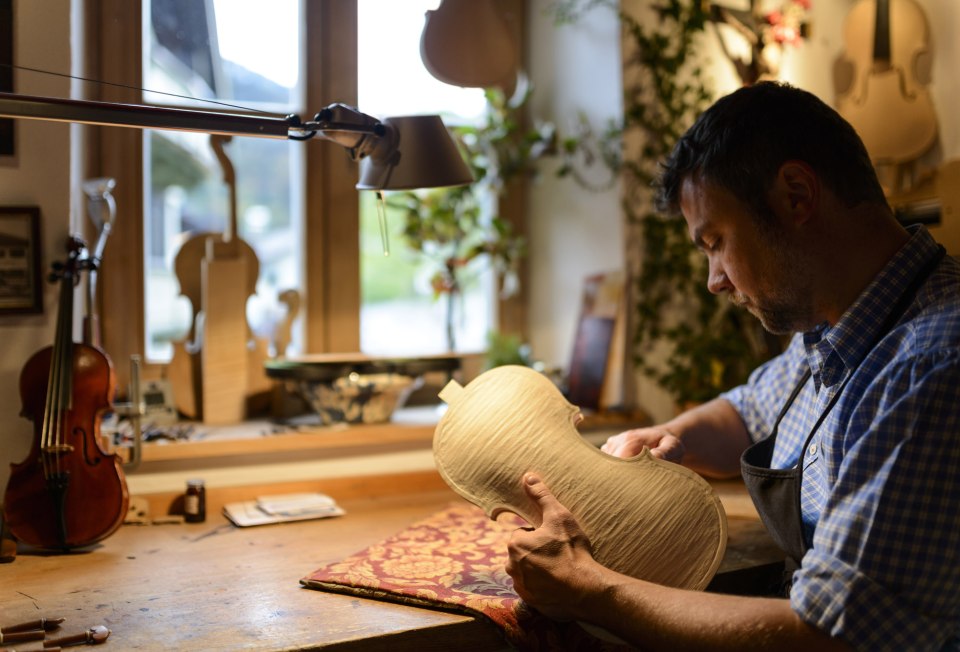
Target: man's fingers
541	495
536	489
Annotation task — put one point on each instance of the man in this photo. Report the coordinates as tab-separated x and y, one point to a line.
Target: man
859	480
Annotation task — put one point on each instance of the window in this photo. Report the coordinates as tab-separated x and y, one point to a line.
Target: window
158	201
231	52
396	289
282	219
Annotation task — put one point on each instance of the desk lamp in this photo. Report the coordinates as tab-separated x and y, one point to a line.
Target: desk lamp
396	154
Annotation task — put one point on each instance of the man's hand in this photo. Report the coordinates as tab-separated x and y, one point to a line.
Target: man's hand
662	444
554	571
552	566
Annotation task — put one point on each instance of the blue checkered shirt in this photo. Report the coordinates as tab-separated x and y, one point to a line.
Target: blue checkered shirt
880	495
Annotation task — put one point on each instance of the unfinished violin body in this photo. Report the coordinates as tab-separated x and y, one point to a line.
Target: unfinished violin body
646	518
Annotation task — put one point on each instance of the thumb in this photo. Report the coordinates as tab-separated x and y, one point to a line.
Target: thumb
540	493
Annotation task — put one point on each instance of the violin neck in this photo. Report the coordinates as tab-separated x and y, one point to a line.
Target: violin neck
60	383
881	36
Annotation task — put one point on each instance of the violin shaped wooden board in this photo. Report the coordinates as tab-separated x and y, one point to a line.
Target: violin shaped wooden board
646	518
468	43
881	79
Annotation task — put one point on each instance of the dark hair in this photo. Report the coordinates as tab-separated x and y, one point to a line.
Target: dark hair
741	141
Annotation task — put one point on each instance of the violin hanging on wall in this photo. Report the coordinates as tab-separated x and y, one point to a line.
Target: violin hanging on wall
68	492
881	79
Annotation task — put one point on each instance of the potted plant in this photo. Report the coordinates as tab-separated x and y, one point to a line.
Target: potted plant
449	226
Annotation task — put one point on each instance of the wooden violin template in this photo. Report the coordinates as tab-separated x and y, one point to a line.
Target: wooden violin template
68	492
646	518
220	363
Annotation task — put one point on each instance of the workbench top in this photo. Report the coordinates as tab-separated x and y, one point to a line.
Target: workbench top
212	586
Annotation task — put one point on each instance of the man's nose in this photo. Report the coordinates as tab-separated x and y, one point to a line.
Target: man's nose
717	281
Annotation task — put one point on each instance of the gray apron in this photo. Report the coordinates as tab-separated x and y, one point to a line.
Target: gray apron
776	492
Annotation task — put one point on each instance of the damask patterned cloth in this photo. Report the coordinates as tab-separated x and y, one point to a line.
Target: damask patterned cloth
454	561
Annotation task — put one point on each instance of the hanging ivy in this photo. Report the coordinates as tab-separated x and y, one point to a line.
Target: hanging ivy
709	345
448	227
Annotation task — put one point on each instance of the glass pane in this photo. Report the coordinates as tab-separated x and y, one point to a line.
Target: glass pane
400	313
196	48
224	50
392	79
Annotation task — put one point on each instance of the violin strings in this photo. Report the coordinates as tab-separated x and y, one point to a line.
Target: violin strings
63	369
51	410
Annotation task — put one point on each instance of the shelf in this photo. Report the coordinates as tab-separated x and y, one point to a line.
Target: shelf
386	435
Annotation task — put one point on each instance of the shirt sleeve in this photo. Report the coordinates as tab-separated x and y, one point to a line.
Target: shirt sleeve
759	400
884	569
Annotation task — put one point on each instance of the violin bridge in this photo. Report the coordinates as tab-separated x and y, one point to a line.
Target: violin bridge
58	449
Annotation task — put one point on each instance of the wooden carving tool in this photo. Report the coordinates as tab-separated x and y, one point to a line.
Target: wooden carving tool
48	624
92	636
16	637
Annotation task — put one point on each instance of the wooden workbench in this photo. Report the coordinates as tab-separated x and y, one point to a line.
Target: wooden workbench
211	586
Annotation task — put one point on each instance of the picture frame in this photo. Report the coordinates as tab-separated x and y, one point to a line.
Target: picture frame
21	286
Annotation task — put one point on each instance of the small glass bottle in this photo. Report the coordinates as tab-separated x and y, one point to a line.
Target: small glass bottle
195	502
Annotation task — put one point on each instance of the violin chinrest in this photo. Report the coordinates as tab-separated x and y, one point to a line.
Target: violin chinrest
646	518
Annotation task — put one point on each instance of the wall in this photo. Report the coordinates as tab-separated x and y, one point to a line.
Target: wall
40	176
577	68
573	232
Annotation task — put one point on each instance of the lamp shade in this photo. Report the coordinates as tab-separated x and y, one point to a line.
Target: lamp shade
415	152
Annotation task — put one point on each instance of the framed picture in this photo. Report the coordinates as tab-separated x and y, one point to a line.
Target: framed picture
21	290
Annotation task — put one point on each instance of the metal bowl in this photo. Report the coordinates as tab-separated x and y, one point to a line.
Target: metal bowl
358	398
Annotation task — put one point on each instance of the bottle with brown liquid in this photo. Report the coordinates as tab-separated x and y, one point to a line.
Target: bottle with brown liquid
195	502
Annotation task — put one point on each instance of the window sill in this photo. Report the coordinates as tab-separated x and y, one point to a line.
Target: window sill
255	439
251	453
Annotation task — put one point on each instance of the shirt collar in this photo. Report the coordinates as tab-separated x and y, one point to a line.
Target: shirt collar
832	351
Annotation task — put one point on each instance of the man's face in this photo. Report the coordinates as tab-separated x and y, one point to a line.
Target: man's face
757	266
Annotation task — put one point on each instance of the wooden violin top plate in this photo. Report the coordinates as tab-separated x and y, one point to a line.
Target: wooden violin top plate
646	518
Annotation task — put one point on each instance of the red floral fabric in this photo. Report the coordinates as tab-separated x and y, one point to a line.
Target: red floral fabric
454	560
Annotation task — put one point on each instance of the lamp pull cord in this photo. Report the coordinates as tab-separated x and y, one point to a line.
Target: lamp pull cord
382	218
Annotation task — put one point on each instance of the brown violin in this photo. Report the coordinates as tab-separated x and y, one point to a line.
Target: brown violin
68	493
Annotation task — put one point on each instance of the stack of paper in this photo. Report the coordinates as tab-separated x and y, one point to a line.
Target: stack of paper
282	508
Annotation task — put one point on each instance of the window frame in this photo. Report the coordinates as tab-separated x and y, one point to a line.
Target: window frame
331	294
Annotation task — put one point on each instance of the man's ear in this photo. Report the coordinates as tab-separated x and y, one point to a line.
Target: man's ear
796	191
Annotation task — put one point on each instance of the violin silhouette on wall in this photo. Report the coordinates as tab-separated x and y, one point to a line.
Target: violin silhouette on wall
881	79
68	492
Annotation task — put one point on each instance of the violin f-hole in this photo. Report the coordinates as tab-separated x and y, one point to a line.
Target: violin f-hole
81	433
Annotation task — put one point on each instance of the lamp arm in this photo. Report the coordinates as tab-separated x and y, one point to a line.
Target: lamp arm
350	128
431	157
338	123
